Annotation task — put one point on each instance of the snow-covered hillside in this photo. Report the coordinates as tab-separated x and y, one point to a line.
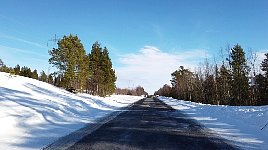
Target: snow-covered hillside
34	114
240	124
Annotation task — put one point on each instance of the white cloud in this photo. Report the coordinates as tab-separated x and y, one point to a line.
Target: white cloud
151	67
12	56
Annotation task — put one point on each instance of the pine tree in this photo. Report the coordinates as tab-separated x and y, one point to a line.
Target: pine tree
264	65
209	90
102	80
240	70
109	74
262	89
17	69
70	58
182	81
43	76
262	82
11	71
198	89
1	63
4	68
50	79
83	73
56	80
26	72
95	66
34	74
224	85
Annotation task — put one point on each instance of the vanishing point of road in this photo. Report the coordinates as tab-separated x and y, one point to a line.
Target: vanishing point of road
151	124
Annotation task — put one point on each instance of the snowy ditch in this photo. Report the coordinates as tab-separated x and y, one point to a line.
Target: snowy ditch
241	125
34	114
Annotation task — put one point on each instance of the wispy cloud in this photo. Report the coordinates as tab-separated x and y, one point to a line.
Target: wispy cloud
9	49
151	67
33	59
23	40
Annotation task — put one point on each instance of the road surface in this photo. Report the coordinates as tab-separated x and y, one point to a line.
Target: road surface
151	124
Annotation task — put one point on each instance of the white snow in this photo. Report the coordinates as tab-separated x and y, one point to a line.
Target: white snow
240	125
34	114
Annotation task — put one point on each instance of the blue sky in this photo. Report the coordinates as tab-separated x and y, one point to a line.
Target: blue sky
147	40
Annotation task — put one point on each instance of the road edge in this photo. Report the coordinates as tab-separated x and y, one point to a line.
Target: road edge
208	131
67	141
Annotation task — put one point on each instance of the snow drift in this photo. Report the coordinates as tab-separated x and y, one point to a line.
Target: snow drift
34	114
240	125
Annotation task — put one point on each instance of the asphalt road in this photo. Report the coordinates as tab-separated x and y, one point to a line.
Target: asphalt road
151	124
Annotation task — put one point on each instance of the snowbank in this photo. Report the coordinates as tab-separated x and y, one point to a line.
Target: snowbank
34	114
240	124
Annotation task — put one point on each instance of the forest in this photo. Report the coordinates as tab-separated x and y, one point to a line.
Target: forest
234	81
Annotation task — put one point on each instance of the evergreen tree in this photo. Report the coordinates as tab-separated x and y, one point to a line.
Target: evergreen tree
262	82
264	65
102	80
11	71
198	89
108	85
209	90
26	72
262	89
1	63
240	70
43	76
58	80
70	58
216	81
17	69
224	85
34	75
83	73
182	80
95	65
4	68
50	79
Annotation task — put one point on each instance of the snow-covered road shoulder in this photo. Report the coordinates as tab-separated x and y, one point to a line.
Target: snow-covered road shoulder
239	124
34	114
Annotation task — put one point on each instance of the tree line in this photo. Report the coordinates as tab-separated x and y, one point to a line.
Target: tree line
138	91
27	72
91	73
233	82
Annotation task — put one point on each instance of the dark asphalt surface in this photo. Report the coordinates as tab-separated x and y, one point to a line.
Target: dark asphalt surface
151	124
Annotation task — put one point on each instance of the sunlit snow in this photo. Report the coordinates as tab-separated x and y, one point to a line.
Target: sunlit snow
34	114
241	125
